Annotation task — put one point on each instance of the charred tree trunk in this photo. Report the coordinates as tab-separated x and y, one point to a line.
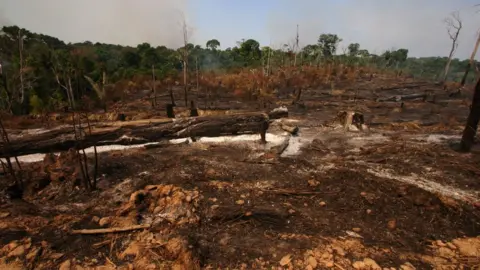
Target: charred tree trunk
193	109
472	121
172	98
138	133
170	112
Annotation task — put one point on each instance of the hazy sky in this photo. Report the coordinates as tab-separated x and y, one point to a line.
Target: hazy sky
377	25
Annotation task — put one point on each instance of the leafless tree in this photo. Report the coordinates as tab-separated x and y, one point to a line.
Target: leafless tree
63	76
185	54
20	52
470	63
454	25
295	50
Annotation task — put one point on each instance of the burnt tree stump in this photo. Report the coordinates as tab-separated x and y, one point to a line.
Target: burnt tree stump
170	112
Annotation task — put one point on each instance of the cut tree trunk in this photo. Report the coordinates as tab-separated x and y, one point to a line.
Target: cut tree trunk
170	112
138	132
193	109
470	130
277	113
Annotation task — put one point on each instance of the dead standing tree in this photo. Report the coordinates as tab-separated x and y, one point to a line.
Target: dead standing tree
470	63
185	53
63	75
454	25
100	89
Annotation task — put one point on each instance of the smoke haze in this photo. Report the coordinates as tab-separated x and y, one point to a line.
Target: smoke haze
377	25
123	22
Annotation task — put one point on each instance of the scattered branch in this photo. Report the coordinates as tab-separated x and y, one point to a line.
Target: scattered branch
111	230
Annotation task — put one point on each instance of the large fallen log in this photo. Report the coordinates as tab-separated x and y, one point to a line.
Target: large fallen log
138	132
404	97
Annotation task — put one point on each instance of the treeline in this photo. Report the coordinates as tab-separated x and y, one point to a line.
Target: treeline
42	73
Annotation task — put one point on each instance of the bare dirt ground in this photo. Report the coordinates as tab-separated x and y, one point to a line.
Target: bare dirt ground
398	196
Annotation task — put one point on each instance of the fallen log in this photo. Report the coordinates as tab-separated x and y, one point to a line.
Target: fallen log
138	132
404	97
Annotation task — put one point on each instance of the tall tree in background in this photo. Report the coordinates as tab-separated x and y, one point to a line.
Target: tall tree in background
328	44
213	44
454	25
353	49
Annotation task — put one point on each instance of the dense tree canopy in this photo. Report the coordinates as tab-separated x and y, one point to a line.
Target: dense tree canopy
38	68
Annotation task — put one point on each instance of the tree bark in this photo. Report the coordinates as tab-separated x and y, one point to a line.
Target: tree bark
139	132
472	121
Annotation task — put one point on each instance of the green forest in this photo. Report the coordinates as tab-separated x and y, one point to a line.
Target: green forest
38	70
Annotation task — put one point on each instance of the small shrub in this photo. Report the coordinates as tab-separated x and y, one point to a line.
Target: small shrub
36	104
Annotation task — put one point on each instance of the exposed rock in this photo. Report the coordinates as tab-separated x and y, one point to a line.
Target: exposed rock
392	224
312	262
366	264
66	265
33	253
167	202
440	243
95	219
407	266
468	246
286	260
18	251
105	221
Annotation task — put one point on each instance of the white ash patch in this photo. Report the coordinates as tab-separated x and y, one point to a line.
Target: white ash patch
27	158
272	139
439	138
100	149
296	143
435	138
361	141
428	185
